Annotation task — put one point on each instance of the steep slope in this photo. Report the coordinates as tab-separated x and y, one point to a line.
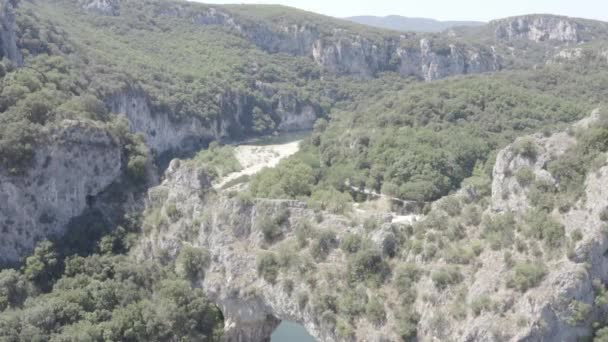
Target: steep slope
400	23
505	268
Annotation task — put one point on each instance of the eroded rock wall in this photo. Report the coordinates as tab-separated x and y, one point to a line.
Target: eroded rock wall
70	168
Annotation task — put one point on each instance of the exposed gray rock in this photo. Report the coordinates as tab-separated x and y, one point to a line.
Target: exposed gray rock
8	37
103	7
348	53
165	133
539	28
71	167
228	228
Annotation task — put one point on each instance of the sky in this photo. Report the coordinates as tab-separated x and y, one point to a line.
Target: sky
479	10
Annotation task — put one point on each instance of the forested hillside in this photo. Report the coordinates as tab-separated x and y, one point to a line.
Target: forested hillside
98	96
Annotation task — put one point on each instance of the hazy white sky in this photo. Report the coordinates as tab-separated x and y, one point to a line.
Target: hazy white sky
483	10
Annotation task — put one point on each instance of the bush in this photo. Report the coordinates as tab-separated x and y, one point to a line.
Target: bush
302	300
374	310
405	281
369	266
499	230
451	205
480	304
172	212
525	176
331	200
344	331
322	245
526	275
604	215
268	267
270	229
351	243
526	147
192	262
446	276
540	225
579	312
352	301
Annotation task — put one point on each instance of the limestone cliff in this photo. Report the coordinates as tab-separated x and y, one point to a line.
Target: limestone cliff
477	302
165	133
71	166
8	37
346	52
539	28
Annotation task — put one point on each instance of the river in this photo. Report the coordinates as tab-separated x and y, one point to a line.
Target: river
291	332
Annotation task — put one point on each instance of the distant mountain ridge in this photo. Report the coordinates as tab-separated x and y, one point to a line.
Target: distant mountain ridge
400	23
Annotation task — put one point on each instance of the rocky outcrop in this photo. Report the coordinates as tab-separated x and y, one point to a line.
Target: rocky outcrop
341	51
508	194
103	7
578	55
165	133
230	229
457	60
70	168
539	28
8	36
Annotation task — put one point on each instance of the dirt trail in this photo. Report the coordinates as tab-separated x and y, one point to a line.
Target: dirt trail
254	158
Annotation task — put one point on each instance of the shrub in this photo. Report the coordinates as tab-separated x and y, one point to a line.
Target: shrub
351	243
459	255
302	300
192	262
323	245
407	323
527	148
374	310
288	286
480	304
499	229
526	275
331	200
268	267
371	223
525	176
446	276
270	229
303	231
324	302
576	235
543	227
604	214
451	205
368	265
472	215
351	302
172	212
406	277
578	312
345	331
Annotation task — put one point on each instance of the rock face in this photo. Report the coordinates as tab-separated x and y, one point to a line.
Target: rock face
229	229
63	181
103	7
344	52
161	132
164	133
539	29
8	37
457	60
